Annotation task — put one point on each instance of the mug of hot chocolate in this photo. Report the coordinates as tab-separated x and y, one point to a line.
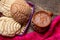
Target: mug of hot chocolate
41	20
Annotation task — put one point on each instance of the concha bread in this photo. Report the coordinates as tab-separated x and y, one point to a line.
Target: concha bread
8	26
5	6
20	11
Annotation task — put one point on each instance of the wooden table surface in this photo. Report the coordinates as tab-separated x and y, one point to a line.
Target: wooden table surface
51	5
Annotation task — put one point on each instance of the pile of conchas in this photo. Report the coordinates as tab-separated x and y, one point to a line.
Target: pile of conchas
41	20
16	14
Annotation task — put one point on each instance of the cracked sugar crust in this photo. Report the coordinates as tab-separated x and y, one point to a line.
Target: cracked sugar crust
5	6
8	26
20	11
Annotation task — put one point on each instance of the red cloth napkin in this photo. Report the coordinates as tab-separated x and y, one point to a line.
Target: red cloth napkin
52	34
